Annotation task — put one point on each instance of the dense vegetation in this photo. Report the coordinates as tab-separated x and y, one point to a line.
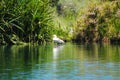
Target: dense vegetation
36	21
25	20
66	15
99	22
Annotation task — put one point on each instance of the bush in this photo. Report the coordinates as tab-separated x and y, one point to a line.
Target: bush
98	22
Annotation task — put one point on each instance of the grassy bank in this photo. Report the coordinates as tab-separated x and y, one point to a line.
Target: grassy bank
35	21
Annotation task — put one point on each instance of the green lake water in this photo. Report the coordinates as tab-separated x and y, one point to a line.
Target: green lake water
60	62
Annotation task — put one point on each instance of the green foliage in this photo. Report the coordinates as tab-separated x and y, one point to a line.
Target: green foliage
66	15
99	21
37	20
29	20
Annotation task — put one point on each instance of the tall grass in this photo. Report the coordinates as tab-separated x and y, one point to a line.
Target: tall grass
25	20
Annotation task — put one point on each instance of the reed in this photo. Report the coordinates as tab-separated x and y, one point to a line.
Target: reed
26	20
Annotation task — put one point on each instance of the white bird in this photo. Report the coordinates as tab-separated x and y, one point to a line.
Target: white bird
57	40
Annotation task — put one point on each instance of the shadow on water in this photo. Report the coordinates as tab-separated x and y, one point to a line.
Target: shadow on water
60	62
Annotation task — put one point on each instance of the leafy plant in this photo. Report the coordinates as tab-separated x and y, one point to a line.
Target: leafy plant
29	20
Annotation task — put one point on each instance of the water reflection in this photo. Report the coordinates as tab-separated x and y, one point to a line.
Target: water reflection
20	60
61	62
56	51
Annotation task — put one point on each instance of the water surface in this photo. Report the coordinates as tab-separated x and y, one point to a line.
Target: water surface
60	62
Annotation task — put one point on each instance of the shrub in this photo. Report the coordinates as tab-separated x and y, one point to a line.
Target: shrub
98	22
